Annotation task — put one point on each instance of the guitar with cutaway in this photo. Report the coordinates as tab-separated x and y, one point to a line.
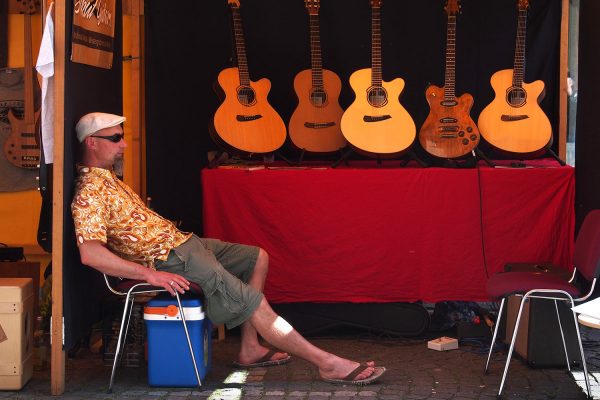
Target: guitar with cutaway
514	121
376	123
245	121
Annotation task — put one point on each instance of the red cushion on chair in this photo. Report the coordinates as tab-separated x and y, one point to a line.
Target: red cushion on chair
506	283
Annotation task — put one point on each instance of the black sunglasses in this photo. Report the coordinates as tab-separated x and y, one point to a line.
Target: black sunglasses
116	138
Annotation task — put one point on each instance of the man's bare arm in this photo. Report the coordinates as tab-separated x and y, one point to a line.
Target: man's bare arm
97	256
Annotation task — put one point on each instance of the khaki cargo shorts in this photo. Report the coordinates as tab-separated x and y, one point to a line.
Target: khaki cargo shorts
222	269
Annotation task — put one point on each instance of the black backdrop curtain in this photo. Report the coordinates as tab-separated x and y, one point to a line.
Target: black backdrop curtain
189	42
87	89
587	139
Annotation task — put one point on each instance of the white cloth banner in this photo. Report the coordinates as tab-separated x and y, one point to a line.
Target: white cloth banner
45	67
590	308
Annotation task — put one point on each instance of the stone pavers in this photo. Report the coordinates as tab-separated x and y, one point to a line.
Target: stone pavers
414	372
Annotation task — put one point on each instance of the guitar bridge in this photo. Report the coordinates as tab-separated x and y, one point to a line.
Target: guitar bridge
377	118
318	125
509	118
246	118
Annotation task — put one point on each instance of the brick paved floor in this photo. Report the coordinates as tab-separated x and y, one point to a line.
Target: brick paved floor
414	372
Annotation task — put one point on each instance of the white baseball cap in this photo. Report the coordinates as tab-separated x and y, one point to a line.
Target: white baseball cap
93	122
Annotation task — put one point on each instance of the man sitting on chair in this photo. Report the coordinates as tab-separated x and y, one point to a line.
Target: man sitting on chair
118	235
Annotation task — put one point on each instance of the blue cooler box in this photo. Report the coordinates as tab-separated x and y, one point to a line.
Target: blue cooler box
169	360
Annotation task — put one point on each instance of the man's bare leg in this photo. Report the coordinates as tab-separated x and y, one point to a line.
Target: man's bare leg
251	350
281	334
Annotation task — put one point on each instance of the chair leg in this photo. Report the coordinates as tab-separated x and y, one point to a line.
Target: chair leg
585	371
187	335
512	344
487	364
122	335
562	335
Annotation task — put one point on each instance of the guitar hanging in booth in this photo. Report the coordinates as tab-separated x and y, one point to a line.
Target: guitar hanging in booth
514	122
449	131
376	123
245	121
315	124
22	147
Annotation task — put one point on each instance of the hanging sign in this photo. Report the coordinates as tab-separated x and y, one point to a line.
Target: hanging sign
93	32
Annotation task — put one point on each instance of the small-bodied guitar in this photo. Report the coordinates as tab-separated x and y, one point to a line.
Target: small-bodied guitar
376	123
315	123
22	147
245	121
449	131
514	122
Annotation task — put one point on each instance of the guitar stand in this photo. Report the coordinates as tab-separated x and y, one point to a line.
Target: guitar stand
343	157
478	154
407	157
557	158
301	158
278	154
217	160
410	155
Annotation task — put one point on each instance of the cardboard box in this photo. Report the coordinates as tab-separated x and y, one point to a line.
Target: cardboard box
443	343
169	360
16	332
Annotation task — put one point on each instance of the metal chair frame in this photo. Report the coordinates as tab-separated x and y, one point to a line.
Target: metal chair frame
142	288
548	294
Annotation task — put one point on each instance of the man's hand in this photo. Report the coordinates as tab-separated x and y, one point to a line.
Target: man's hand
169	281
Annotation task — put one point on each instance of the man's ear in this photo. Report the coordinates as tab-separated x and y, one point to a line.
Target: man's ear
89	142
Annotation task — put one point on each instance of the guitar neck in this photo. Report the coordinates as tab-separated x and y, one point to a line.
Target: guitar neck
315	52
240	47
450	75
376	78
29	117
519	64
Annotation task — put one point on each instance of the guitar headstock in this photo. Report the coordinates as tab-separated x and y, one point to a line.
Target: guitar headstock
376	3
29	7
523	4
312	6
234	3
452	7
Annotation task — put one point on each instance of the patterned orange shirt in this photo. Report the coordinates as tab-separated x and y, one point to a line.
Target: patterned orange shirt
106	209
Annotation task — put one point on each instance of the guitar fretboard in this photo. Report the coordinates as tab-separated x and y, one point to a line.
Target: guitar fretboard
376	46
449	79
240	48
519	65
315	52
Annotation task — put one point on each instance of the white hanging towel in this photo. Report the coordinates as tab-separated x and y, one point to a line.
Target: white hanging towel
45	67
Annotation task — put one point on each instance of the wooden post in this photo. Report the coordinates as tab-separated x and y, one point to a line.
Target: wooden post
135	122
563	97
57	371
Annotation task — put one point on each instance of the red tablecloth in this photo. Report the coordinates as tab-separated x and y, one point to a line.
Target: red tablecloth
367	233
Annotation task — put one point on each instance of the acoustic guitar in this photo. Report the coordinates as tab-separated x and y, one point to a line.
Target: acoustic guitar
22	147
245	122
514	122
449	131
376	123
315	123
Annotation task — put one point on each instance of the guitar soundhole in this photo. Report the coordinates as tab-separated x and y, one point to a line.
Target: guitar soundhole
318	97
377	96
516	96
246	95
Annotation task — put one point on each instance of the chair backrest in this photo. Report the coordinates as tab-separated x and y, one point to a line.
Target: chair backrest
587	247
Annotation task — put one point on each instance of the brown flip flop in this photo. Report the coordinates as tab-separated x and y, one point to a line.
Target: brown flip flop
264	361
